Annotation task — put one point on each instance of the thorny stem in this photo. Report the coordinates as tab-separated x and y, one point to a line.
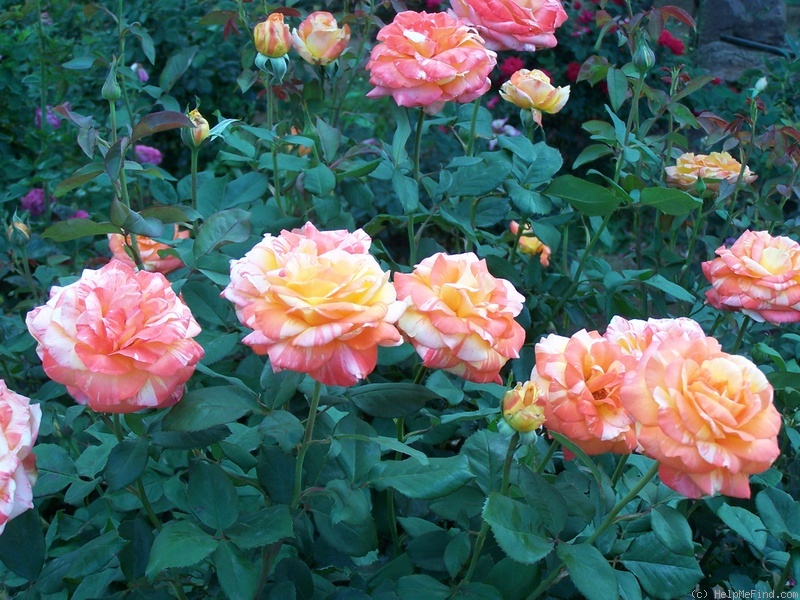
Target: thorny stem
309	434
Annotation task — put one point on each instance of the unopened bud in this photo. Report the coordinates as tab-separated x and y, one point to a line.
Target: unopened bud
521	409
272	37
761	84
195	135
111	90
643	58
19	234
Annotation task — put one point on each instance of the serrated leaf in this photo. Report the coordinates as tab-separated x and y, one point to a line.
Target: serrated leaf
673	289
73	229
514	526
391	400
440	477
672	529
212	496
22	545
126	462
584	196
206	407
661	573
232	225
237	574
262	528
745	523
589	571
669	200
179	544
617	87
176	66
91	557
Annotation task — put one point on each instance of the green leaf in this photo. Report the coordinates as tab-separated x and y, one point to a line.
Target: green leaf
73	229
188	440
179	544
480	178
672	529
512	582
588	198
171	214
439	478
386	444
56	469
673	289
545	498
629	588
329	138
83	175
356	537
319	180
669	200
91	557
617	87
159	121
262	528
80	63
407	191
133	222
22	545
232	225
486	452
514	525
212	496
283	427
417	587
391	400
245	189
206	407
356	456
457	553
527	202
146	41
177	64
278	388
589	571
745	523
237	574
661	573
779	512
126	462
402	132
591	154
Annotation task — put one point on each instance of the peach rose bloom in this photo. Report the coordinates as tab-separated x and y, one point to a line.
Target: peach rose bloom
531	90
705	415
530	244
522	25
272	37
120	340
424	60
580	380
635	336
19	427
319	40
459	317
758	275
317	303
522	409
149	251
711	168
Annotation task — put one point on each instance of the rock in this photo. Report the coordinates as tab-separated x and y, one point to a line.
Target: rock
762	21
727	61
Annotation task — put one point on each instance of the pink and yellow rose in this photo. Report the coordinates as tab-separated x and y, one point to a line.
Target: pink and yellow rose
19	427
530	244
580	382
317	303
758	275
319	40
149	249
459	317
711	168
705	415
272	37
522	25
522	408
118	339
635	336
532	90
424	60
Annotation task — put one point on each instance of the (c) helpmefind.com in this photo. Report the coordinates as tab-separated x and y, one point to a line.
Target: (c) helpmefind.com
718	594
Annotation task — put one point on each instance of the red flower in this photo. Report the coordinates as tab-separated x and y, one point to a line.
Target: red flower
586	17
573	69
511	65
669	41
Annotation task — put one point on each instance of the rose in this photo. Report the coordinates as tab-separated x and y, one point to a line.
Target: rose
711	168
319	40
459	317
530	244
141	72
272	37
317	302
195	135
149	251
148	154
521	409
635	336
531	90
705	415
425	60
19	427
523	25
119	340
758	275
580	381
33	202
673	44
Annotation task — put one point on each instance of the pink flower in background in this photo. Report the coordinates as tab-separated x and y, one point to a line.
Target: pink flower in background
573	70
459	317
33	202
673	44
511	65
140	72
758	275
705	415
52	118
19	427
319	40
580	382
149	250
317	303
522	25
635	336
120	340
80	214
148	154
501	127
424	60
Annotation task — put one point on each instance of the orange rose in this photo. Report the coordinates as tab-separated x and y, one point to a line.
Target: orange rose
759	275
120	340
635	336
272	37
150	251
580	379
711	168
319	40
705	415
530	244
522	25
459	317
317	302
521	408
532	90
426	60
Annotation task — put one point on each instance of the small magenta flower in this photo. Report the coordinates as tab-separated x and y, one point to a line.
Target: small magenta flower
148	154
33	202
140	72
